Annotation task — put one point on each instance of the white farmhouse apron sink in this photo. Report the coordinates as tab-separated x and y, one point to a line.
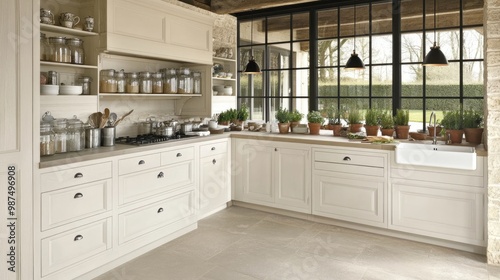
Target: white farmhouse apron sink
444	156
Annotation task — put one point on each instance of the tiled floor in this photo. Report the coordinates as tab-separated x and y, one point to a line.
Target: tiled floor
244	244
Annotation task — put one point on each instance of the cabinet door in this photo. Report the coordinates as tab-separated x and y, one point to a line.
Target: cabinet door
292	181
214	191
438	210
254	178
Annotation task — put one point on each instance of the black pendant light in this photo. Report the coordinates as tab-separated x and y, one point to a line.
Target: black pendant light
435	56
252	66
354	61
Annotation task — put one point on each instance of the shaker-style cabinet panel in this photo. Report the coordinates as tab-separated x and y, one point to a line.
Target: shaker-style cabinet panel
154	28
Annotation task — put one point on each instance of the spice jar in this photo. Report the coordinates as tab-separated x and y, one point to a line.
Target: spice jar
59	51
185	81
76	135
197	82
120	81
107	81
77	53
61	135
47	140
132	83
44	48
170	81
146	83
85	83
157	82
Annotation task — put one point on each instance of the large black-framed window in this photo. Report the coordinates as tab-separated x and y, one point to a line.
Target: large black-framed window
302	51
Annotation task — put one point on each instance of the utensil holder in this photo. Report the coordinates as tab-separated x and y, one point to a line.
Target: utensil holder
92	138
108	136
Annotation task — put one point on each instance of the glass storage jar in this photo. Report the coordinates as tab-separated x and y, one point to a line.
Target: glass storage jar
61	135
59	51
120	81
132	85
170	81
197	82
44	48
76	135
47	139
157	82
77	53
146	84
185	81
107	83
85	82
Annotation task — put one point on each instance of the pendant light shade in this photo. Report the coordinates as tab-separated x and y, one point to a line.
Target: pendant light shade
435	56
252	67
354	62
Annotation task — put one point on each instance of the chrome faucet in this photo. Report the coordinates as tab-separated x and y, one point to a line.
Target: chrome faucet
434	138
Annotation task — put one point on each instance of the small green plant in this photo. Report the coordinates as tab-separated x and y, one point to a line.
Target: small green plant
315	117
242	113
282	115
296	116
402	117
231	114
452	120
372	117
224	117
386	120
332	114
472	119
353	116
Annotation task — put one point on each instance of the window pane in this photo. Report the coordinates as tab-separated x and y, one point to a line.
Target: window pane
412	15
251	85
443	81
256	107
327	23
449	42
300	26
354	103
278	29
473	43
473	12
382	103
302	105
327	82
415	107
301	86
354	83
475	104
473	79
382	18
411	47
324	103
300	56
327	52
362	49
279	83
411	74
381	49
382	81
246	53
279	56
245	35
277	103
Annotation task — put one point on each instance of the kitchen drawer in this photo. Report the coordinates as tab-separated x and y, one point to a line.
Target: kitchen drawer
70	247
177	155
213	149
71	204
149	183
349	169
350	158
138	163
75	176
138	222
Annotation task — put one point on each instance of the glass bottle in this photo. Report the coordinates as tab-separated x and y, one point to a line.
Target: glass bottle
185	81
197	82
107	83
85	82
44	48
59	51
157	82
132	85
76	135
146	84
47	139
61	135
170	81
77	53
120	81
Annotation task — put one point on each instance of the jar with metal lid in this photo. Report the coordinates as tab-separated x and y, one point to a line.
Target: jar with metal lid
120	81
76	135
146	83
76	50
61	135
59	51
185	81
132	82
197	82
85	82
170	81
44	48
157	82
107	81
47	139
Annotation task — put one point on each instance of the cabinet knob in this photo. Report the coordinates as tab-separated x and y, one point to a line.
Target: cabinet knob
160	175
78	175
160	210
141	162
347	158
78	195
275	149
213	149
179	155
214	161
78	237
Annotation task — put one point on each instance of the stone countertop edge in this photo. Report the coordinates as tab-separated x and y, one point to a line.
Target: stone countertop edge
123	149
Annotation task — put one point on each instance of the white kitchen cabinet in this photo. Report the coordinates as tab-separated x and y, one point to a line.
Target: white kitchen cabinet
273	174
214	190
350	185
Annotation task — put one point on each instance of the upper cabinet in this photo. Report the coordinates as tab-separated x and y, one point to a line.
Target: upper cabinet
153	28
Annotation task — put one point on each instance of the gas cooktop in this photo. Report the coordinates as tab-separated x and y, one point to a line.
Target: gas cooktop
147	139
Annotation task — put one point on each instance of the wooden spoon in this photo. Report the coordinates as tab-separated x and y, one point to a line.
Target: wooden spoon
122	117
95	119
104	118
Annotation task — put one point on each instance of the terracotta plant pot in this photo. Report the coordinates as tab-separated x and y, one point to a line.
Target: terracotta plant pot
474	135
455	135
402	131
431	130
314	128
371	130
387	131
293	125
355	127
284	127
337	128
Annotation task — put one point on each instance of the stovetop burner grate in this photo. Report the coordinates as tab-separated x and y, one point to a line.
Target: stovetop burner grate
146	139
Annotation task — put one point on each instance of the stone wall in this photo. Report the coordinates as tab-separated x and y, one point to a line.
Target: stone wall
492	111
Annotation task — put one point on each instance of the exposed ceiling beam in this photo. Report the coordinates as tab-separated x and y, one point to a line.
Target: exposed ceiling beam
237	6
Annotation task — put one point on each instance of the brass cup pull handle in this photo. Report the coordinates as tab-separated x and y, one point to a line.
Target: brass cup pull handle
141	162
347	158
160	175
78	195
159	210
213	149
275	149
78	237
214	161
78	175
179	155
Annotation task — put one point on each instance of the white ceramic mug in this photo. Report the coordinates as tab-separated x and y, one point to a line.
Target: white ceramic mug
212	124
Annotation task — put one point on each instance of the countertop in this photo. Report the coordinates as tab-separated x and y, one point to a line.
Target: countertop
325	138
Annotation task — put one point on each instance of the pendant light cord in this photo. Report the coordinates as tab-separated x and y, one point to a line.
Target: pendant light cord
435	22
354	47
251	39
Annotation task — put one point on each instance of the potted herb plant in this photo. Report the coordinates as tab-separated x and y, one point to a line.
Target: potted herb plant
372	122
472	123
283	117
354	118
387	124
333	116
242	114
453	125
401	122
295	118
315	120
224	118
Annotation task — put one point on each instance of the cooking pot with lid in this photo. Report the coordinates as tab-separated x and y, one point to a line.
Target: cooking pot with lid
163	130
186	127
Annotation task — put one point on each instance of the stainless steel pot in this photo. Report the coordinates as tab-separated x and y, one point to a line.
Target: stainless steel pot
196	125
145	127
186	127
163	130
174	124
